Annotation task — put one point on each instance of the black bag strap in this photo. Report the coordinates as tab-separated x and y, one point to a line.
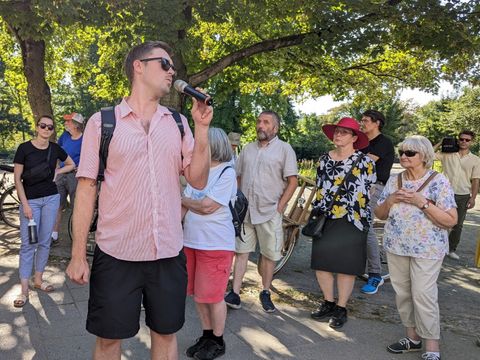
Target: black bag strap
360	157
49	152
108	127
430	178
178	120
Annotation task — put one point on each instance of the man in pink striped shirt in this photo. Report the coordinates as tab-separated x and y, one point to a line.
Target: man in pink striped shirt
138	258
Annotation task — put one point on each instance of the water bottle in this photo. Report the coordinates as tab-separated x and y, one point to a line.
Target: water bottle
32	232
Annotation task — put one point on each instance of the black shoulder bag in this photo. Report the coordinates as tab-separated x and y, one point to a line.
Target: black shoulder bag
316	221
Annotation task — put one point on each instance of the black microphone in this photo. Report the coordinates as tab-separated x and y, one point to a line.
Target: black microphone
182	87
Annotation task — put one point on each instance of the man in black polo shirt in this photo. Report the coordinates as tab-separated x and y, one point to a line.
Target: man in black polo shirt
380	150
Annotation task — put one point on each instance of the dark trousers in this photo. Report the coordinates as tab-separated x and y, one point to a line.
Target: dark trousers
456	233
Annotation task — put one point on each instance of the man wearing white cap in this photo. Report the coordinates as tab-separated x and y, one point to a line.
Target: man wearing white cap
71	142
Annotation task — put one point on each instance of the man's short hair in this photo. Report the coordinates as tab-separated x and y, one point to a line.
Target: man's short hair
274	115
467	132
140	52
376	116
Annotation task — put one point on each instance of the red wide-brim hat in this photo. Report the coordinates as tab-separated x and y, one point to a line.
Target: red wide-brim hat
348	123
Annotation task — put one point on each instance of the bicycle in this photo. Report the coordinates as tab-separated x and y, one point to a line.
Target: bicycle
293	218
9	200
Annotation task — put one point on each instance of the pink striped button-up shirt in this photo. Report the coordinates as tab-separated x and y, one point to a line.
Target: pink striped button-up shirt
139	205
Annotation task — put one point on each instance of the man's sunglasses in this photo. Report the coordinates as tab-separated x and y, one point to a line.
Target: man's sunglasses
164	63
43	126
464	139
408	153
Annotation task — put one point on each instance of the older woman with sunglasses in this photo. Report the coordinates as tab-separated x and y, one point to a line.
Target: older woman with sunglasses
343	197
419	207
35	168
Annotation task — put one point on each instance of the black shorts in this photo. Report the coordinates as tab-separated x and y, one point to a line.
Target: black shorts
117	288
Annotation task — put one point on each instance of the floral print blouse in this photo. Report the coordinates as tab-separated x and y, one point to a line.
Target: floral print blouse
408	231
353	199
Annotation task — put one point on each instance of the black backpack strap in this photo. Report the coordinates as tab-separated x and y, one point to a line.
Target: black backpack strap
108	127
178	120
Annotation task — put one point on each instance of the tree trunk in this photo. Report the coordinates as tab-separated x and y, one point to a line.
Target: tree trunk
38	91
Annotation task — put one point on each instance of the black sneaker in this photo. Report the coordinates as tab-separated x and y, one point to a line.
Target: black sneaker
404	345
325	310
267	303
339	317
199	344
210	350
232	300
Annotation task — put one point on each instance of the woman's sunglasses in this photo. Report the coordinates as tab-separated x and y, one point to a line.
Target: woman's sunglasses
46	126
408	153
164	63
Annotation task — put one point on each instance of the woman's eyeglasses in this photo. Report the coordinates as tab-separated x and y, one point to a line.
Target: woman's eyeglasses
46	126
408	153
342	131
164	63
464	139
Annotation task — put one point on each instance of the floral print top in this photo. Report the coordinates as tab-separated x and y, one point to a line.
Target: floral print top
352	200
408	231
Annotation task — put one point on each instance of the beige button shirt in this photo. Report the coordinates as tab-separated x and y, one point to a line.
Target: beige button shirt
460	170
264	172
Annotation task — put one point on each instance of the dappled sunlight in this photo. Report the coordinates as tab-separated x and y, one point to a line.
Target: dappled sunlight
265	344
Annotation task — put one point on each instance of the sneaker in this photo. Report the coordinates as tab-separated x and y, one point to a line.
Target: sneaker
453	255
199	344
232	300
339	317
210	350
325	310
267	303
430	356
372	285
404	345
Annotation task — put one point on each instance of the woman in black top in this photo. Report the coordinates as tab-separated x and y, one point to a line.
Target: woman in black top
34	173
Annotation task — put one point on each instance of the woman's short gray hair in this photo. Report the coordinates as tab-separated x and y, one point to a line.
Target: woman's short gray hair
220	149
422	145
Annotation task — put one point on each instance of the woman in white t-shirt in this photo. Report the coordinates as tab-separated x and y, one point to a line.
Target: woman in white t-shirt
209	240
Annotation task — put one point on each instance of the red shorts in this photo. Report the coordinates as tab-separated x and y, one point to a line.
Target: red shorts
208	273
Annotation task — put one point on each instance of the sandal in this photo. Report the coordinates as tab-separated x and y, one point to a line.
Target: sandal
44	286
20	301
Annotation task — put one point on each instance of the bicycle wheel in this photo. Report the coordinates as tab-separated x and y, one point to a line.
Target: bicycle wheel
383	255
290	236
91	233
10	207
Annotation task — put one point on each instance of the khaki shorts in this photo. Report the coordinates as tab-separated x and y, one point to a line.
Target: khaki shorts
268	234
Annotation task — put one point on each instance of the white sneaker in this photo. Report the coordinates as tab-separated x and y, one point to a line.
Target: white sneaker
453	256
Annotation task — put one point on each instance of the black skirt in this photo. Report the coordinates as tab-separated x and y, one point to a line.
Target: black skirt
341	249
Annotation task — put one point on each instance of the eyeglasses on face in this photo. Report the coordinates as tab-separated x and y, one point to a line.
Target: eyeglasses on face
47	126
408	153
164	63
464	139
341	131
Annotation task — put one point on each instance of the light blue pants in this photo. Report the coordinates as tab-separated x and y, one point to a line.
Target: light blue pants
373	252
44	212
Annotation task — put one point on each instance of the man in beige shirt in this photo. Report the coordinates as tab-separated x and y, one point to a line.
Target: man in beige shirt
462	168
267	175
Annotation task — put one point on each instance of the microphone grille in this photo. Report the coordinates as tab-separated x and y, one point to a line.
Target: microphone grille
180	85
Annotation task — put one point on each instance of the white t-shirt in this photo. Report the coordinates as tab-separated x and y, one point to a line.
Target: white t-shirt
212	231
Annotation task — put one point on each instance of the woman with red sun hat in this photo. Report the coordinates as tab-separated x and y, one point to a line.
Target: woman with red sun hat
344	177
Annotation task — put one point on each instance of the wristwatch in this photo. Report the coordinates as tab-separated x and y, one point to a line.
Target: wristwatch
425	206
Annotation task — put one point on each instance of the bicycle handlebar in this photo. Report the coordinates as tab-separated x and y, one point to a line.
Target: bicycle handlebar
7	168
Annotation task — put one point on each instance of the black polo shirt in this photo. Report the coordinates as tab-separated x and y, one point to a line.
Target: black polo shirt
382	147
